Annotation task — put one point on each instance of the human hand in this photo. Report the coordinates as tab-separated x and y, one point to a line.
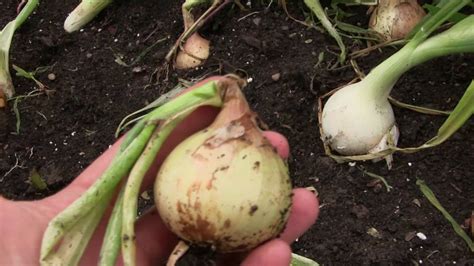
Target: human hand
23	223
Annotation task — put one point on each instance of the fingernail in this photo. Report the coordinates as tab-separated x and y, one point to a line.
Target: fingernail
312	190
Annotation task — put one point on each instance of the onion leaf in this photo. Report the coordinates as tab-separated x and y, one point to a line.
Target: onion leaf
84	13
317	9
6	36
298	260
461	113
428	193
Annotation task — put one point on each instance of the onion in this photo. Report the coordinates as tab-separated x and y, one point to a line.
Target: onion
84	13
394	19
354	122
358	119
225	187
196	50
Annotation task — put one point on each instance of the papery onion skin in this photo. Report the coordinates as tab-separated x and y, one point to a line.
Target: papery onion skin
354	123
394	19
225	187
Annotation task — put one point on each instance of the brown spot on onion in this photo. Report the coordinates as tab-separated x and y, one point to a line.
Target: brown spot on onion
227	223
253	209
256	165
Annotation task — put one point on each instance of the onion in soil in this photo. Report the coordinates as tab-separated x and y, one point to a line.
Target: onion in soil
394	19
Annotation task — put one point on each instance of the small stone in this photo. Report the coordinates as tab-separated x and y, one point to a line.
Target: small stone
308	41
276	76
417	202
421	236
374	232
51	76
137	69
88	55
145	195
410	235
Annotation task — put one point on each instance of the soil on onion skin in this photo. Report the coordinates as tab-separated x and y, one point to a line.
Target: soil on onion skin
61	133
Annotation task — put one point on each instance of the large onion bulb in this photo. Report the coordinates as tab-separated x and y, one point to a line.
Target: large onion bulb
356	123
225	187
394	19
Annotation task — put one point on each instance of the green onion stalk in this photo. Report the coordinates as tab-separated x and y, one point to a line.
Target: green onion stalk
6	36
84	13
357	121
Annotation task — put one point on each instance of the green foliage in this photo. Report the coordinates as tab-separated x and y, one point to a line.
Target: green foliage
428	193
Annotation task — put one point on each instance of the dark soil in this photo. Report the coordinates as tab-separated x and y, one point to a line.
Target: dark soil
62	133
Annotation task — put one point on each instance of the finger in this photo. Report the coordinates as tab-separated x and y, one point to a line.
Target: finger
279	142
275	252
156	242
303	214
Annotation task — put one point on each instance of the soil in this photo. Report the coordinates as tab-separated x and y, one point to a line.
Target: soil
64	131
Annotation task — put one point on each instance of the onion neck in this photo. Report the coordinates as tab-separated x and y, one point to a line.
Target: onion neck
236	111
379	82
234	106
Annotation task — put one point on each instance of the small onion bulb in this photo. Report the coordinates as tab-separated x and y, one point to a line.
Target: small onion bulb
225	187
394	19
196	50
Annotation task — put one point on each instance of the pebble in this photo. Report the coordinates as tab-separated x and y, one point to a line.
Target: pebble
417	202
421	236
374	232
410	235
137	69
51	76
276	76
145	195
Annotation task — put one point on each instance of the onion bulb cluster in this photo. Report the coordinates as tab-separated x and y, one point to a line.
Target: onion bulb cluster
394	19
225	187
